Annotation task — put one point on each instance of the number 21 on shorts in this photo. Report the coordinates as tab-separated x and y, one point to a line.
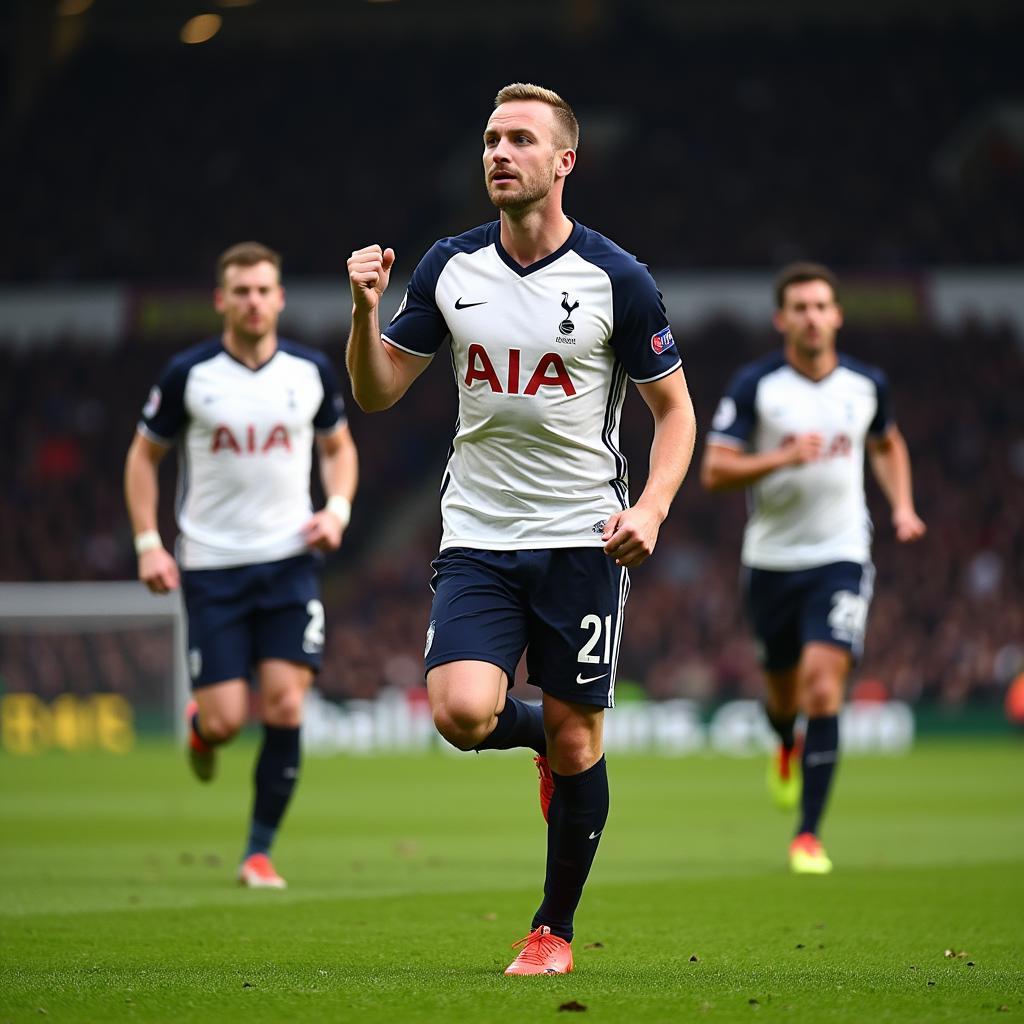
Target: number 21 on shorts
598	629
313	638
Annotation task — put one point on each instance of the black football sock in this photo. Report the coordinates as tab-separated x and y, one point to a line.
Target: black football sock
519	725
782	726
576	818
821	751
277	771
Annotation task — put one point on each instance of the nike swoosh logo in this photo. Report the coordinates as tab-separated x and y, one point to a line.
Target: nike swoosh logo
594	835
459	304
589	679
825	757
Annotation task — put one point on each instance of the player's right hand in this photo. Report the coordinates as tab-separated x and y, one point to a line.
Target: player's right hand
369	271
804	448
159	571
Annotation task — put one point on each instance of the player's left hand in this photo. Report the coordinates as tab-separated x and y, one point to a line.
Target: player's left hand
630	536
908	525
323	532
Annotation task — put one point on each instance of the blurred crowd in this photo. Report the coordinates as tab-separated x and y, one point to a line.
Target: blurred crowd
946	626
881	146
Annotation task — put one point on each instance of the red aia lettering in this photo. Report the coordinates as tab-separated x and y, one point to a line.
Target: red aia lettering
278	436
481	368
549	373
841	445
225	440
557	378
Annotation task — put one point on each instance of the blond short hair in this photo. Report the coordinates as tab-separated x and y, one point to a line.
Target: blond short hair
246	254
565	119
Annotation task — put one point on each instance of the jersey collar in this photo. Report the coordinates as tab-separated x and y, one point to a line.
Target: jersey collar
574	237
813	380
251	369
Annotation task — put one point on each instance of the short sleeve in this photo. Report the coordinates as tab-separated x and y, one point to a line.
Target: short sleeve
883	418
331	413
641	335
419	326
736	415
164	415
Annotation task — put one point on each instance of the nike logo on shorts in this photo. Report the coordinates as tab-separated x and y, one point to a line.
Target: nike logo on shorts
589	679
594	835
814	758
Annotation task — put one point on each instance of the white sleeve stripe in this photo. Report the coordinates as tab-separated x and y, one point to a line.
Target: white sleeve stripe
411	351
149	435
658	376
726	440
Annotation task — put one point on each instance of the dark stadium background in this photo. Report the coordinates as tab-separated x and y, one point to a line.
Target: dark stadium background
719	140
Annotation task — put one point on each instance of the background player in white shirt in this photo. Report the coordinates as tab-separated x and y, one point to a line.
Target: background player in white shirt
244	409
794	427
546	320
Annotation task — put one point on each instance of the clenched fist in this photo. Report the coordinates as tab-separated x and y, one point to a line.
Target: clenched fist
369	271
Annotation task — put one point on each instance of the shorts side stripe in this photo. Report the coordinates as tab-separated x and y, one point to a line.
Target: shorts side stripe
623	594
867	590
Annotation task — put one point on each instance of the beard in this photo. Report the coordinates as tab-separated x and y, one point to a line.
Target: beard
529	193
250	332
813	347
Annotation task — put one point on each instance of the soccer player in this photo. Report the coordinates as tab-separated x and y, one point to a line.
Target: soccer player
244	409
793	427
547	321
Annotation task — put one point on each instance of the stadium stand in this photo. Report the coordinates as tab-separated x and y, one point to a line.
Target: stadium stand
899	158
947	618
124	160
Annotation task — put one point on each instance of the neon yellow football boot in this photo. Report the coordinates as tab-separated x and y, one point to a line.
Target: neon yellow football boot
807	856
785	780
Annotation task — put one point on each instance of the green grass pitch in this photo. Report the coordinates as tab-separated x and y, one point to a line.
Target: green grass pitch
411	876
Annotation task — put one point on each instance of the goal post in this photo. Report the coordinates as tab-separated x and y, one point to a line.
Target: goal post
70	615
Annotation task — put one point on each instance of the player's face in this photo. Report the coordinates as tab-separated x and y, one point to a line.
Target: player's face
809	318
251	299
521	158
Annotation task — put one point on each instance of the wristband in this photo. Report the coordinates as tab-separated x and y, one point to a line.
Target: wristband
339	507
148	540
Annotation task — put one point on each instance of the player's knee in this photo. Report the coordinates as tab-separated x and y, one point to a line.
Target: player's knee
462	724
219	726
573	760
571	751
823	695
284	710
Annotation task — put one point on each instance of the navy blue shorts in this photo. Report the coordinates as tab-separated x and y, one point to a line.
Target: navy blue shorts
240	616
828	603
563	606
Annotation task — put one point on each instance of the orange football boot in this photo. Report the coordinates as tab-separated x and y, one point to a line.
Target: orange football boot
257	872
541	953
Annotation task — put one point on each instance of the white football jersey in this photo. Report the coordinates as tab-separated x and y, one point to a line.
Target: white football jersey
814	514
541	357
245	449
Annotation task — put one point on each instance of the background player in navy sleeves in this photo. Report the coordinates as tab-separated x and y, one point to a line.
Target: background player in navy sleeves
793	427
244	409
548	321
